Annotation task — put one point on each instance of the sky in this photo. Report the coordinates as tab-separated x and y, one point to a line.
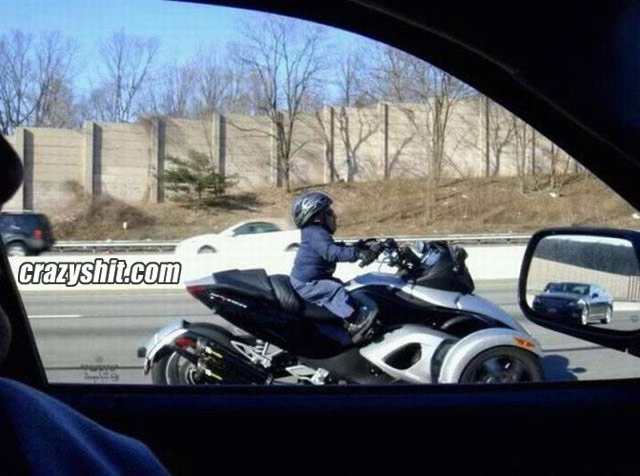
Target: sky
180	27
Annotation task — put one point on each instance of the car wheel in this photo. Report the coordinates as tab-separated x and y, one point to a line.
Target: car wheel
16	249
584	317
503	365
206	249
293	247
607	315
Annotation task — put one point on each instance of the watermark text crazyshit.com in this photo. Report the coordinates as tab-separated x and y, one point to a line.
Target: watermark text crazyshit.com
99	271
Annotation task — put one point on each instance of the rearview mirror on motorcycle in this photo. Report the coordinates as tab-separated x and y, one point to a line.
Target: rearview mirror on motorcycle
584	283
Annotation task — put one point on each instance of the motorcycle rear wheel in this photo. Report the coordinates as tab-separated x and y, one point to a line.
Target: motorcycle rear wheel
173	369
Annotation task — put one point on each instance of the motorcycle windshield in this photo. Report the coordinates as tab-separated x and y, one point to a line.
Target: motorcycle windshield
444	268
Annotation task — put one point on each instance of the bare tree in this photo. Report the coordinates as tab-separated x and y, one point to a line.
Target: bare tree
434	93
560	162
554	155
487	125
522	139
205	84
53	64
499	129
324	127
221	84
534	165
354	128
172	92
35	81
126	63
285	60
16	86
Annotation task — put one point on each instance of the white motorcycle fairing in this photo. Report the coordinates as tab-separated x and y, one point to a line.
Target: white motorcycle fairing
435	356
451	300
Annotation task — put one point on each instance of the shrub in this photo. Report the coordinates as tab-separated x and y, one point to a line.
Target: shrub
195	178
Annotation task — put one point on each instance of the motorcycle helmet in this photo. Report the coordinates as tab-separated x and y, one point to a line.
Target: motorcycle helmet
309	206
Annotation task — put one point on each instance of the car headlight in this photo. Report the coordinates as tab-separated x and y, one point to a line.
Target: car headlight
581	303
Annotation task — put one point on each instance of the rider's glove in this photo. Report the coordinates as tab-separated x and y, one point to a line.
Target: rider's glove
369	255
361	245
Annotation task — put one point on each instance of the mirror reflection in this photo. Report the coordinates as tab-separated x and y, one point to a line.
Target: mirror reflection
586	281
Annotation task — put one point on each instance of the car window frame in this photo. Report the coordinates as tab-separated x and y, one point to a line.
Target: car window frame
271	227
240	230
485	414
435	36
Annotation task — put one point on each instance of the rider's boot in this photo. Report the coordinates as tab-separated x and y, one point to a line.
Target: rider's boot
360	322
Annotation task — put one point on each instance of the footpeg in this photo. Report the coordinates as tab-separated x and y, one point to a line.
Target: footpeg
307	374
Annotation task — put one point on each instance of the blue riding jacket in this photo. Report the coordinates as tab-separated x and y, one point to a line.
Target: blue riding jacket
318	255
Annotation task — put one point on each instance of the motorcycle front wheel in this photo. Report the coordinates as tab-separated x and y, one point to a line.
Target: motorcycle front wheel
503	365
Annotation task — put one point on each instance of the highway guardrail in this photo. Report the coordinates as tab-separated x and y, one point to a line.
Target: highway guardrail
167	246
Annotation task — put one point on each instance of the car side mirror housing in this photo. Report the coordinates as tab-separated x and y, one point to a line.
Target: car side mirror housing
560	265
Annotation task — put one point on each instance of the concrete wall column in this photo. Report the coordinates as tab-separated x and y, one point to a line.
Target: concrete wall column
217	153
329	144
89	158
274	162
156	165
92	163
383	137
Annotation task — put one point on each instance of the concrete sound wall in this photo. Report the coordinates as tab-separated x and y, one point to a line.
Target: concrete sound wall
126	160
307	166
55	172
247	150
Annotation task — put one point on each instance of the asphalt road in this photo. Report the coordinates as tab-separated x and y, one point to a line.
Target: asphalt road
93	337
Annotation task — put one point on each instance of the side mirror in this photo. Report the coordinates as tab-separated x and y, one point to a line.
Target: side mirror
560	266
419	246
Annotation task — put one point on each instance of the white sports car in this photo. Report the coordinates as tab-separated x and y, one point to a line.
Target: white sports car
247	234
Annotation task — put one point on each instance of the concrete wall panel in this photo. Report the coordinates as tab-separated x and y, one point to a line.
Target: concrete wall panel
124	159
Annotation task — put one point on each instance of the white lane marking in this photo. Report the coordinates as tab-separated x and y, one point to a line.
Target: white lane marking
56	316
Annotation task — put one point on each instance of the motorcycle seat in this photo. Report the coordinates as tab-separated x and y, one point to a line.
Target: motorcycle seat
256	283
252	282
290	300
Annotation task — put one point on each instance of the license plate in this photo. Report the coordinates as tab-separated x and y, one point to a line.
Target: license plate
552	310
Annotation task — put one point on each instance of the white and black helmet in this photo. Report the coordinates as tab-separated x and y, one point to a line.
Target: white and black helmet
308	205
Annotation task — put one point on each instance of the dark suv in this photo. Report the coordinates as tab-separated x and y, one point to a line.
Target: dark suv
25	233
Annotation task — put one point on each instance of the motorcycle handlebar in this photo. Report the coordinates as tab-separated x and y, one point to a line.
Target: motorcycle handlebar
389	245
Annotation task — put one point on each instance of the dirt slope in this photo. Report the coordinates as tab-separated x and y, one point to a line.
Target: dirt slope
394	207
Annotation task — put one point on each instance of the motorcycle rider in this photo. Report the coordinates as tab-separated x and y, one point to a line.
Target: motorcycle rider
315	263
